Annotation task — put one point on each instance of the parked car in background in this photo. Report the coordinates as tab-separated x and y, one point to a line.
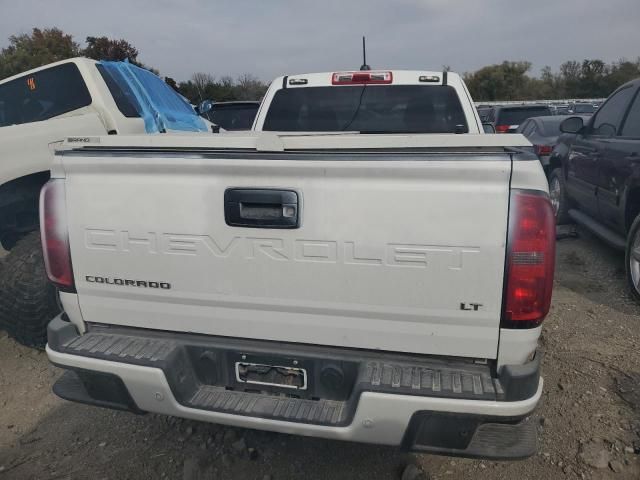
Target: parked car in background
483	112
560	109
595	177
507	119
38	109
582	109
543	133
237	115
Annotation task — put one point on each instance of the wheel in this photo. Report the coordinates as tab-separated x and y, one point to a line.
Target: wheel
28	301
632	259
558	195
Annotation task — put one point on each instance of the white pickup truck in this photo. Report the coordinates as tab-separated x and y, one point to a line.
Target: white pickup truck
39	109
385	285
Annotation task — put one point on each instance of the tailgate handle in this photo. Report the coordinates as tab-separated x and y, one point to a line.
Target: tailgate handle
261	208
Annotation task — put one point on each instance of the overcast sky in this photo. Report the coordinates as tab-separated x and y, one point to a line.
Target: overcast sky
274	37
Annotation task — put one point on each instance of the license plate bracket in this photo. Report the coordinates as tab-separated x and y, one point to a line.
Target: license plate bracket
250	373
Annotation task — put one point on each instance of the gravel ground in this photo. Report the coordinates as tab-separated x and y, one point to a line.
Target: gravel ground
589	419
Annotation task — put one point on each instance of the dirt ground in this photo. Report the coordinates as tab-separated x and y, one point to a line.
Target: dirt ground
588	421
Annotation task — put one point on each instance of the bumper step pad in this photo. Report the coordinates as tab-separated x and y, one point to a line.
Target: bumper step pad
503	441
173	352
121	348
319	412
388	377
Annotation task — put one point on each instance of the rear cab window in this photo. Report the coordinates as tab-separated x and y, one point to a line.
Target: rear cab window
525	127
583	108
551	126
43	95
367	109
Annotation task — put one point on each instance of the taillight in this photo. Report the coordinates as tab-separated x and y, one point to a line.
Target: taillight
542	150
530	260
351	78
55	235
502	128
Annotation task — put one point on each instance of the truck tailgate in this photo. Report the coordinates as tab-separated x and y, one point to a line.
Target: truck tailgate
393	251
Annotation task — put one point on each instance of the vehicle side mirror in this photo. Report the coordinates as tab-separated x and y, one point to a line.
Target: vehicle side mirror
488	128
204	106
572	125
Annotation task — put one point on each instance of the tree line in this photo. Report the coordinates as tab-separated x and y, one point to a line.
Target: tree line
43	46
505	81
204	86
585	79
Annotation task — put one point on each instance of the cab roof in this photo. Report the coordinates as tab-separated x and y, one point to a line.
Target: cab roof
76	60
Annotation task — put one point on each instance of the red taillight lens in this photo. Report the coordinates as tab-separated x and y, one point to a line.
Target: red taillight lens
530	260
55	235
542	150
358	78
502	128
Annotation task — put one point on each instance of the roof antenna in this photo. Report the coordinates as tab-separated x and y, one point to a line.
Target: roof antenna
364	56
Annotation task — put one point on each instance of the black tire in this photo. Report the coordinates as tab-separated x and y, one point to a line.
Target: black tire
561	210
633	240
28	301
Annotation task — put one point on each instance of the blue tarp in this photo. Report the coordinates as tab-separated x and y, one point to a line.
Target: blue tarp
158	104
